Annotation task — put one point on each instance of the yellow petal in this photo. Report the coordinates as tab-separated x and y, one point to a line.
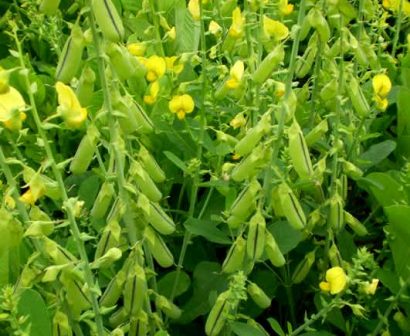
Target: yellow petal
238	21
285	8
381	85
238	121
10	102
237	70
137	49
274	29
181	114
214	28
172	33
188	104
381	103
194	10
175	104
337	279
28	198
370	289
156	67
324	286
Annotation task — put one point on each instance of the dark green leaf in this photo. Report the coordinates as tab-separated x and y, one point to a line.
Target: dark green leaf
376	154
166	283
243	329
207	229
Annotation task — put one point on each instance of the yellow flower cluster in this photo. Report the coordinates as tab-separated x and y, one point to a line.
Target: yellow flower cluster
181	105
394	5
336	280
236	74
381	88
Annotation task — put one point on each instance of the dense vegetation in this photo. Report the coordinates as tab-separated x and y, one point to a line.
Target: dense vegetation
218	167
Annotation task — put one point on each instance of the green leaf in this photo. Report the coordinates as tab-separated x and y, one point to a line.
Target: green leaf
286	236
166	283
403	111
399	237
207	278
32	305
386	189
187	30
207	229
176	161
276	326
376	154
243	329
88	190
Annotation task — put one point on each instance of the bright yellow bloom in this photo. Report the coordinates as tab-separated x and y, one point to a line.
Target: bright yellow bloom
238	121
11	106
137	48
236	74
336	280
181	105
381	103
274	29
153	93
280	89
394	5
381	85
370	288
214	28
238	22
193	8
69	107
171	66
285	8
156	67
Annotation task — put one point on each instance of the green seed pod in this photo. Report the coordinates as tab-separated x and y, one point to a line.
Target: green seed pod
304	29
114	290
144	123
402	321
125	115
71	56
272	251
336	213
361	56
341	45
334	256
355	225
110	238
235	222
118	317
151	165
253	136
77	298
61	325
135	291
276	203
299	152
269	64
57	253
291	207
330	90
169	309
85	151
245	200
317	133
318	21
303	268
236	254
255	242
359	102
139	326
159	250
258	295
305	63
144	181
217	316
102	201
351	170
51	187
108	20
121	60
85	88
157	217
250	164
49	7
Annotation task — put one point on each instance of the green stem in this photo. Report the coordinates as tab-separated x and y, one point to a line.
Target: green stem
398	28
88	276
160	48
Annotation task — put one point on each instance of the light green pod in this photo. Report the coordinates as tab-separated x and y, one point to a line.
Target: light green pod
303	268
151	165
269	64
110	238
114	290
121	60
71	56
299	152
160	220
144	182
135	290
85	89
359	102
249	164
236	254
291	207
255	241
273	252
85	151
103	200
49	7
245	200
61	326
169	308
158	248
258	295
108	20
336	213
317	133
217	316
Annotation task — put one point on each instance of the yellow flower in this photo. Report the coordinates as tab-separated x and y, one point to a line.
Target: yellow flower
238	121
4	80
35	191
214	28
285	8
370	288
280	89
236	74
156	67
193	8
381	85
381	103
153	93
172	33
69	107
11	106
274	29
237	26
336	280
137	48
171	66
394	5
181	105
